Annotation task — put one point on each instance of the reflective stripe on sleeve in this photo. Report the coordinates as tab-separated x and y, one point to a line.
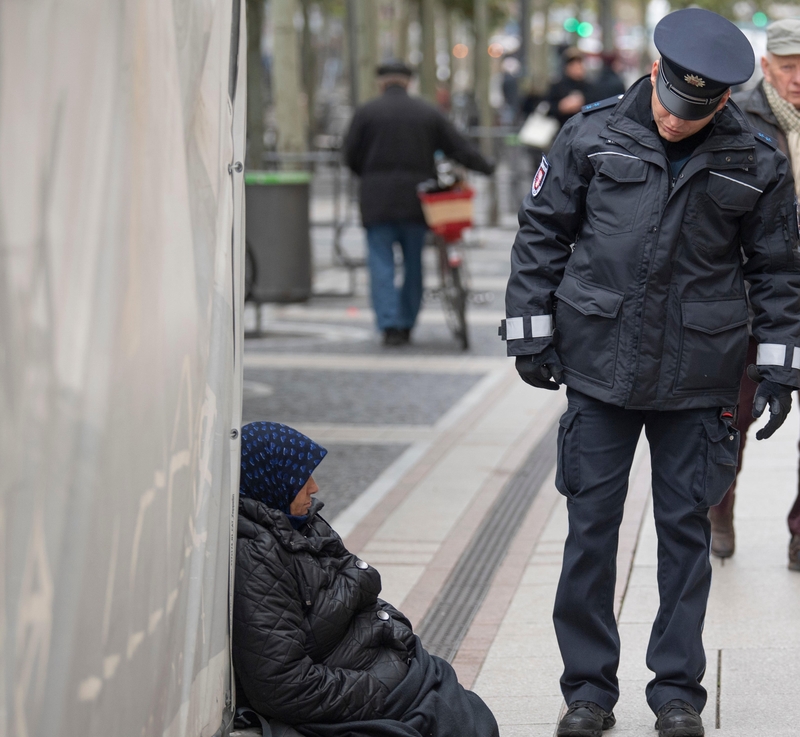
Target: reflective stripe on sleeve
796	358
541	326
514	328
771	354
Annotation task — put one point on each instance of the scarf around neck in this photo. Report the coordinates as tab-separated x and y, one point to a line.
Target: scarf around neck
789	121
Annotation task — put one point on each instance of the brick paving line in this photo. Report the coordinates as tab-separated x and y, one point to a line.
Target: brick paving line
418	601
367	527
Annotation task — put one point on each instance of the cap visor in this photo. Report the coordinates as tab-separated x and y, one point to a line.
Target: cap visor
679	107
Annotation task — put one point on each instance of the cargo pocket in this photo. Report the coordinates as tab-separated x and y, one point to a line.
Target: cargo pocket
721	457
587	319
568	468
616	190
713	345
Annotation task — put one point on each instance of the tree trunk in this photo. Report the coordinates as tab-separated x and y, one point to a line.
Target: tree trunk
482	67
606	17
449	22
309	71
255	85
482	95
525	40
367	49
540	71
427	77
402	16
289	113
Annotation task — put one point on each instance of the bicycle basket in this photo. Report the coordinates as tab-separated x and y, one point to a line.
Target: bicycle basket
448	212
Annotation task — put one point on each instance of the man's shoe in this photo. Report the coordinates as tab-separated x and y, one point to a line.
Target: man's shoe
585	719
794	553
406	333
394	336
723	537
679	719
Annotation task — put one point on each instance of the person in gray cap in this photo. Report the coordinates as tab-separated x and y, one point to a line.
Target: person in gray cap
391	145
774	108
628	285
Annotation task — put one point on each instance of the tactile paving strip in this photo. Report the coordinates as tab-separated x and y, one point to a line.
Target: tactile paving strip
450	616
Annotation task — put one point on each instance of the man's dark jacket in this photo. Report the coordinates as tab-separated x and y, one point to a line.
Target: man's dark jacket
646	275
312	642
760	116
391	145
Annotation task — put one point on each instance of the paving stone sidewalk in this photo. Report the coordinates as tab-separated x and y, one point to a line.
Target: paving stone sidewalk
423	443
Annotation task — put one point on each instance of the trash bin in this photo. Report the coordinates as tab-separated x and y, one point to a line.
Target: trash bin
278	257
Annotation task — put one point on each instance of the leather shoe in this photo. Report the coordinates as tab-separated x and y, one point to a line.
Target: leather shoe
585	719
794	553
723	536
679	719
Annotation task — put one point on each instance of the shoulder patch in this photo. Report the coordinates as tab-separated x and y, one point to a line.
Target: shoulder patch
602	104
539	177
764	138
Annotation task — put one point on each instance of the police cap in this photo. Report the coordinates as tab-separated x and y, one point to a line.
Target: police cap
702	55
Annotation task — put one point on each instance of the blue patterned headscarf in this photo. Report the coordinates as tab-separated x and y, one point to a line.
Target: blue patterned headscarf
276	463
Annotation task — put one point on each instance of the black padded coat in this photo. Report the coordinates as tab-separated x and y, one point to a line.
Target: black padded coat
312	642
391	145
644	276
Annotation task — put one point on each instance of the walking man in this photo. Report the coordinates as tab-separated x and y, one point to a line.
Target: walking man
641	226
774	108
391	145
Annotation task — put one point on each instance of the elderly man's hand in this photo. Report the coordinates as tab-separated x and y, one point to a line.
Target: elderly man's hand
542	370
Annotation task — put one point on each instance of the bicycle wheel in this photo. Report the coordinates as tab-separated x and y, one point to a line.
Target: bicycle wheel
454	295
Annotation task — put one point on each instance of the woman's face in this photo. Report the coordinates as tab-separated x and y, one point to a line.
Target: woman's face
302	502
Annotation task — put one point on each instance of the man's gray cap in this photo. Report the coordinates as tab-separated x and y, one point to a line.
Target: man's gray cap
783	37
394	68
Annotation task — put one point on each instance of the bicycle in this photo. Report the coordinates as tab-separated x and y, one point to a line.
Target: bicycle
448	212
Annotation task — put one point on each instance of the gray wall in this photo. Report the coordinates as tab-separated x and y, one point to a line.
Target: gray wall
120	347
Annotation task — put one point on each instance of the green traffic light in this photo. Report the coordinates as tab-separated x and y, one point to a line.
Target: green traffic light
571	25
585	30
760	19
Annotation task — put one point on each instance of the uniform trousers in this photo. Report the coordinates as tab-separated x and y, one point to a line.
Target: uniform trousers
693	456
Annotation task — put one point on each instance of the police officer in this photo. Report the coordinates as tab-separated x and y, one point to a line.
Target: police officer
627	283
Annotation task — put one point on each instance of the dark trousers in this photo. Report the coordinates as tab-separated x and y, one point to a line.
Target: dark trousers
395	307
747	391
693	455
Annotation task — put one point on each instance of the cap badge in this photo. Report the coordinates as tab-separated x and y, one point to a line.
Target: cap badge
694	80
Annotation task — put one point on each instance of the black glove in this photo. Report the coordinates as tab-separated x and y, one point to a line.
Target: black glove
779	398
542	370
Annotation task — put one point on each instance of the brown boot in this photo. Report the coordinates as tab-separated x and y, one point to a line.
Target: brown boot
723	537
794	553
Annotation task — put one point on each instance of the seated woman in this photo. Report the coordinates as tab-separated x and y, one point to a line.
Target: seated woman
313	645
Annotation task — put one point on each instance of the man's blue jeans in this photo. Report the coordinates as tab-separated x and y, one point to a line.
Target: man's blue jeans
395	308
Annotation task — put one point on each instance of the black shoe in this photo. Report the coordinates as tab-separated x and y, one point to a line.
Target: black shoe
679	719
406	333
394	336
585	719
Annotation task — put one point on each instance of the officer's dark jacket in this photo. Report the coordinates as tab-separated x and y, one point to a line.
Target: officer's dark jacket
391	145
755	106
650	306
312	642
